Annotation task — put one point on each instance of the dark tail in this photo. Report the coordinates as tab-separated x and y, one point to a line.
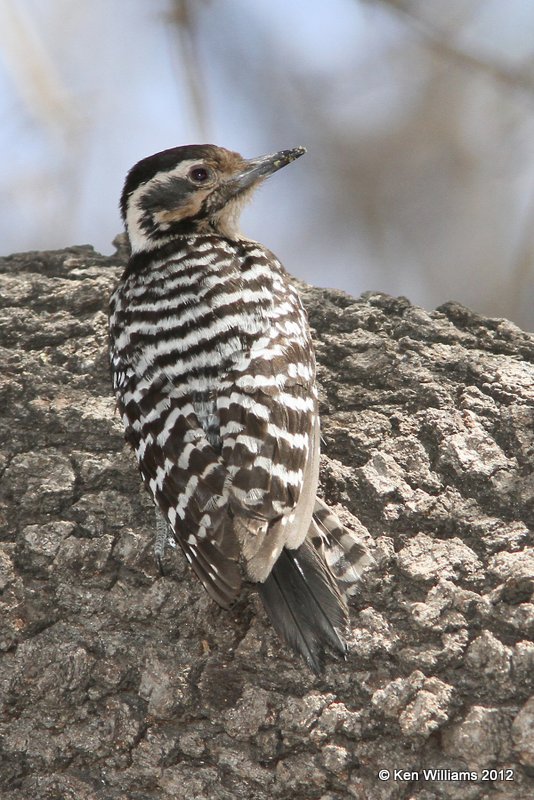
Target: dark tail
305	592
305	605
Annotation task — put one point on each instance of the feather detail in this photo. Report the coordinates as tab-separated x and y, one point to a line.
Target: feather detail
304	605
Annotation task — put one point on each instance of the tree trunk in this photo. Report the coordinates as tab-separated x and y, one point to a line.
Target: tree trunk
116	682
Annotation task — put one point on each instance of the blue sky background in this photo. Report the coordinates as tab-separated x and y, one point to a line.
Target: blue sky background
419	123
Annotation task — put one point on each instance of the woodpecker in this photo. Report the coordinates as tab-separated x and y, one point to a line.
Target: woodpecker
214	374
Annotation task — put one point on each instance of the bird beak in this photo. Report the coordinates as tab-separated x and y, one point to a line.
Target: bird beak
257	169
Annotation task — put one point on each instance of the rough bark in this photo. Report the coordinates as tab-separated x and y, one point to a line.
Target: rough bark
118	683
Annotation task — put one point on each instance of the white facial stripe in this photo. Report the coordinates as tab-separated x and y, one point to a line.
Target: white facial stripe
136	234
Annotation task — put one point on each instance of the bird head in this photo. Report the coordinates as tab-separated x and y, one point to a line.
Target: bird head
192	189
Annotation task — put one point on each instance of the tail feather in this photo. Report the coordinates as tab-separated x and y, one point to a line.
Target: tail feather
346	555
305	605
305	592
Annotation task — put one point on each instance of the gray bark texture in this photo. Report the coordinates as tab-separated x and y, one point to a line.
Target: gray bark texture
116	682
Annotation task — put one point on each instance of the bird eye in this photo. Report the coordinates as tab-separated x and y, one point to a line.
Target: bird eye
199	174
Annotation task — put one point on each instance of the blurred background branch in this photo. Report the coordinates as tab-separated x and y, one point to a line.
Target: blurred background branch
184	17
438	41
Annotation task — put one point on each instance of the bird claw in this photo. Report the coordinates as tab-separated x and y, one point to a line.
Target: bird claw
164	539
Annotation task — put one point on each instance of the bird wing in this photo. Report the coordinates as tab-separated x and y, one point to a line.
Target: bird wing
185	477
268	430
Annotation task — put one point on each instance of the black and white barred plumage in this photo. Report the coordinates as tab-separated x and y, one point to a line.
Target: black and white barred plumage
214	374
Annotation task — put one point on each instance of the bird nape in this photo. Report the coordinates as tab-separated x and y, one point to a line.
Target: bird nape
214	374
